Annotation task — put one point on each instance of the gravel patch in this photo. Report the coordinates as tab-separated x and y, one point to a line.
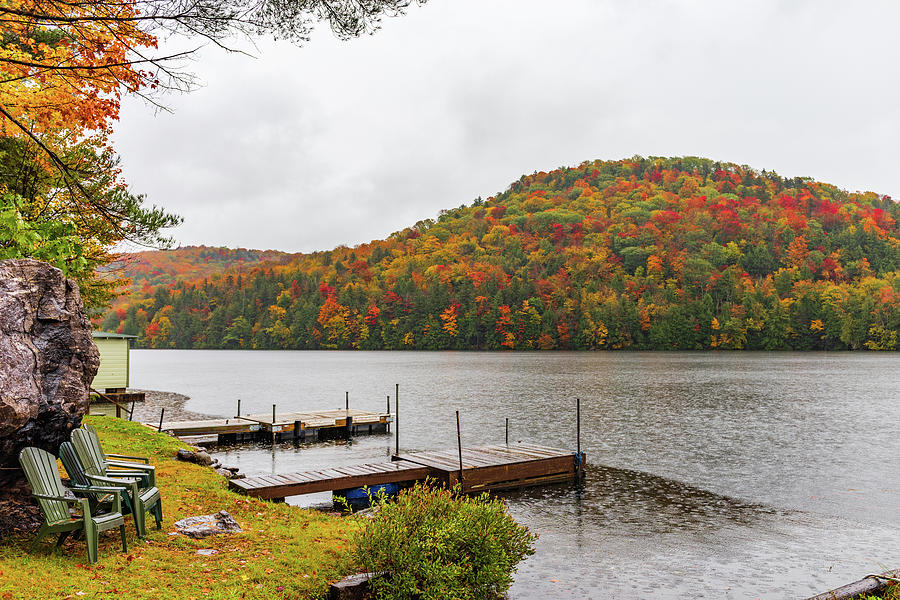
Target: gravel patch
154	401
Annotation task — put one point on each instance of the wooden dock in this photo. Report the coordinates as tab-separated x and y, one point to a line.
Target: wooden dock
483	468
298	426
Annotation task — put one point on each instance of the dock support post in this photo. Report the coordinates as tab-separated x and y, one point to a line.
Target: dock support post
273	424
462	485
131	412
161	413
239	408
346	401
296	431
387	425
397	418
507	431
349	427
579	462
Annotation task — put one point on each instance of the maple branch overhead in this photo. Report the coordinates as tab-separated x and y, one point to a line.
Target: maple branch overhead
64	67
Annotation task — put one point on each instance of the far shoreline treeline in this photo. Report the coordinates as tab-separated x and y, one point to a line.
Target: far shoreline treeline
638	254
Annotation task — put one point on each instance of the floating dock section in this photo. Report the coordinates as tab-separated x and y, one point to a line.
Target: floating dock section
297	426
483	468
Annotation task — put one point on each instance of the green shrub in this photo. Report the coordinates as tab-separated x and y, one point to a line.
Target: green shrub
438	544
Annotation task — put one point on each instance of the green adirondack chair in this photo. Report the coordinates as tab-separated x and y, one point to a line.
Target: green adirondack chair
121	461
43	477
143	497
82	486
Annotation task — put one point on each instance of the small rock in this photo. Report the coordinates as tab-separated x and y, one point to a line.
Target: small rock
202	458
185	455
232	469
354	587
224	472
207	525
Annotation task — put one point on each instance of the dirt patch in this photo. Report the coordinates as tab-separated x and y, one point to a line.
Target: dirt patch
19	514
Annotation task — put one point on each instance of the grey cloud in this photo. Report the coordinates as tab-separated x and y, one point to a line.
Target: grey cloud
340	143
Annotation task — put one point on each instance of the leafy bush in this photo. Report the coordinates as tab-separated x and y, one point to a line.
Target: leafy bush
438	544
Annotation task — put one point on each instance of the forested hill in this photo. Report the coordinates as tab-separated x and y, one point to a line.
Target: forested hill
192	263
681	253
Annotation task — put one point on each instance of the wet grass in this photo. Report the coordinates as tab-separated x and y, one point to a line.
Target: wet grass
891	593
284	552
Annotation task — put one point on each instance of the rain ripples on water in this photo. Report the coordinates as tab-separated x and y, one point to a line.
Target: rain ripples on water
709	475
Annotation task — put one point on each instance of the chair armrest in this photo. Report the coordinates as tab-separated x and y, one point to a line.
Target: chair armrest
63	498
122	464
147	471
113	494
144	478
143	459
82	502
102	489
117	484
139	475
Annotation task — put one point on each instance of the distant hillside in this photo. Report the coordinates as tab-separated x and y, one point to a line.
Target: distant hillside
190	263
679	253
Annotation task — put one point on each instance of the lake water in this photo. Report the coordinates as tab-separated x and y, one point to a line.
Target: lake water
710	475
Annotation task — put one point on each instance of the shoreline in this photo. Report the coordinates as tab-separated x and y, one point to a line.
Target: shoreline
149	410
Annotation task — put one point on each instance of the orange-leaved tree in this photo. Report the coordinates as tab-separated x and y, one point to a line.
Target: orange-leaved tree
64	67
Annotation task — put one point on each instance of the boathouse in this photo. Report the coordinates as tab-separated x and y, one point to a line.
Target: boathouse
112	376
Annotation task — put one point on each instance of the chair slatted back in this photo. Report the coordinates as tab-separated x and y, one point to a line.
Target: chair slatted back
43	477
92	431
87	447
94	437
73	465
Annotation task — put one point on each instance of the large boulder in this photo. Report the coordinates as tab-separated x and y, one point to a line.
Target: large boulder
47	361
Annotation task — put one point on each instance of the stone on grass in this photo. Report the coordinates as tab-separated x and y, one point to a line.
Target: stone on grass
353	587
207	525
201	458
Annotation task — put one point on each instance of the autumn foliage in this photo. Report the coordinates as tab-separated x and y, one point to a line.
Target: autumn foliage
680	253
66	65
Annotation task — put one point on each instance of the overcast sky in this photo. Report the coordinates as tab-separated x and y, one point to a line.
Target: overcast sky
303	149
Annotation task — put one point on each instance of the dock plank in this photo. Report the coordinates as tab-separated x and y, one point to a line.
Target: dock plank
509	456
484	468
283	423
208	426
329	480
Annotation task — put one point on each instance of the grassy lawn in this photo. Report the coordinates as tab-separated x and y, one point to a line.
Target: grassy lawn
284	552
